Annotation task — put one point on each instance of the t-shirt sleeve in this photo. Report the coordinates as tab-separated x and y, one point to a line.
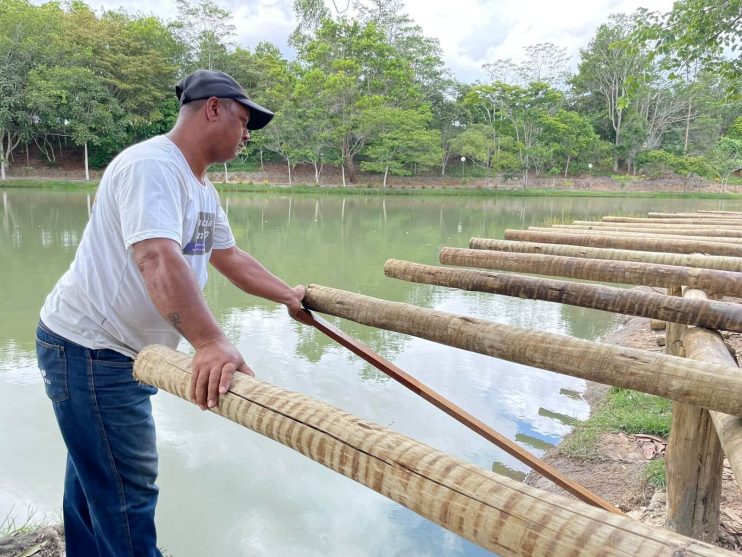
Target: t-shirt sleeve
150	201
223	237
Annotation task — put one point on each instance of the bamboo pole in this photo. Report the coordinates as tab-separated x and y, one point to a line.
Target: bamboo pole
641	244
655	226
732	213
613	233
699	214
699	220
718	262
660	229
711	386
718	315
694	452
626	272
499	514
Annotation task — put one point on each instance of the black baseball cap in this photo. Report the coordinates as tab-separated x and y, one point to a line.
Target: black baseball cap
204	84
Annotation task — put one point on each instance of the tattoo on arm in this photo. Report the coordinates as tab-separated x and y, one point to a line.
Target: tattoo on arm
175	321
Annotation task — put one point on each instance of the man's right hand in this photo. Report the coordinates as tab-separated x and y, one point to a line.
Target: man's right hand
214	364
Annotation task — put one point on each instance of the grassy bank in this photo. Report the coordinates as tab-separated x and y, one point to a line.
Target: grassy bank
625	411
403	191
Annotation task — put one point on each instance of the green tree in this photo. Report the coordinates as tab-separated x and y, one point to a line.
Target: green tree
75	103
610	68
726	158
697	32
28	38
571	137
208	31
401	138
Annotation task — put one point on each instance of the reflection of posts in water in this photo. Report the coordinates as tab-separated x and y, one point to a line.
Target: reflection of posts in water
290	200
88	200
559	417
316	211
495	512
533	442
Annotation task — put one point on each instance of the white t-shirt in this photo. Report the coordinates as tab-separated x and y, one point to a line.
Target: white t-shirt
148	191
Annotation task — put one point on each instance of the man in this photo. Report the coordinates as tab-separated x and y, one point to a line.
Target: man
137	279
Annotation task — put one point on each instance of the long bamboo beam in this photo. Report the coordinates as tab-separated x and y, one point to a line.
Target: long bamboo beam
710	314
495	512
699	220
660	229
625	272
641	244
655	215
655	226
613	233
732	213
712	386
678	259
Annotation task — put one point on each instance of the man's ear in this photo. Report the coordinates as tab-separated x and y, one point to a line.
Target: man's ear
212	106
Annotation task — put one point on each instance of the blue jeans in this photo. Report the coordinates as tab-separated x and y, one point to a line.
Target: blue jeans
105	417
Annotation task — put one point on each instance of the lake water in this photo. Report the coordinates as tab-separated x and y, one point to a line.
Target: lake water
226	491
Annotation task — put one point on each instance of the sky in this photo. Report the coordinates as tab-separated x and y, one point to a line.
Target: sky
471	32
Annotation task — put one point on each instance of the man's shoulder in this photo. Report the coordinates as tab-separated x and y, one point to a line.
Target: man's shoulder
158	148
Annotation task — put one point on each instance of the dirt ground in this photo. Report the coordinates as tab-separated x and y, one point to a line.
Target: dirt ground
617	474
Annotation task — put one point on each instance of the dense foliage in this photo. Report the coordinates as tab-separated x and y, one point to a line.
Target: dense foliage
371	92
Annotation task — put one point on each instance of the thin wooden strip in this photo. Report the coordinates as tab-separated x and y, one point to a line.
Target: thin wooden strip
710	386
493	511
699	260
625	272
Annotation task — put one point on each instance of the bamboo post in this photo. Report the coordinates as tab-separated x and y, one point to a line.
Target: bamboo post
626	272
646	244
718	315
711	386
694	455
613	233
499	514
718	262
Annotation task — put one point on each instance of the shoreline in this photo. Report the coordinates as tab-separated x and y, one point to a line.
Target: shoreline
667	190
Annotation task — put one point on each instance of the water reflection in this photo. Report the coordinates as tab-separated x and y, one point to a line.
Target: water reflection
260	497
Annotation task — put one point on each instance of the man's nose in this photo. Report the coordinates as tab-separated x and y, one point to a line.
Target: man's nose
246	135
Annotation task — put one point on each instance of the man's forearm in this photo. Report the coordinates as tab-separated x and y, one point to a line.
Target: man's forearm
248	274
176	295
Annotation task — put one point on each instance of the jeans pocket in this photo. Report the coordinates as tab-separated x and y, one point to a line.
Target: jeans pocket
53	368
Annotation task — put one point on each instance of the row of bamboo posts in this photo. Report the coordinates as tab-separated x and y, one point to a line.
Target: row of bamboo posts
694	257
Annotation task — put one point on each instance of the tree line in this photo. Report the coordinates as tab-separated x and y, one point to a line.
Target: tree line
652	93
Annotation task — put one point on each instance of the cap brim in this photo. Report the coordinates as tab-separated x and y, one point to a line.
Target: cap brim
259	116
